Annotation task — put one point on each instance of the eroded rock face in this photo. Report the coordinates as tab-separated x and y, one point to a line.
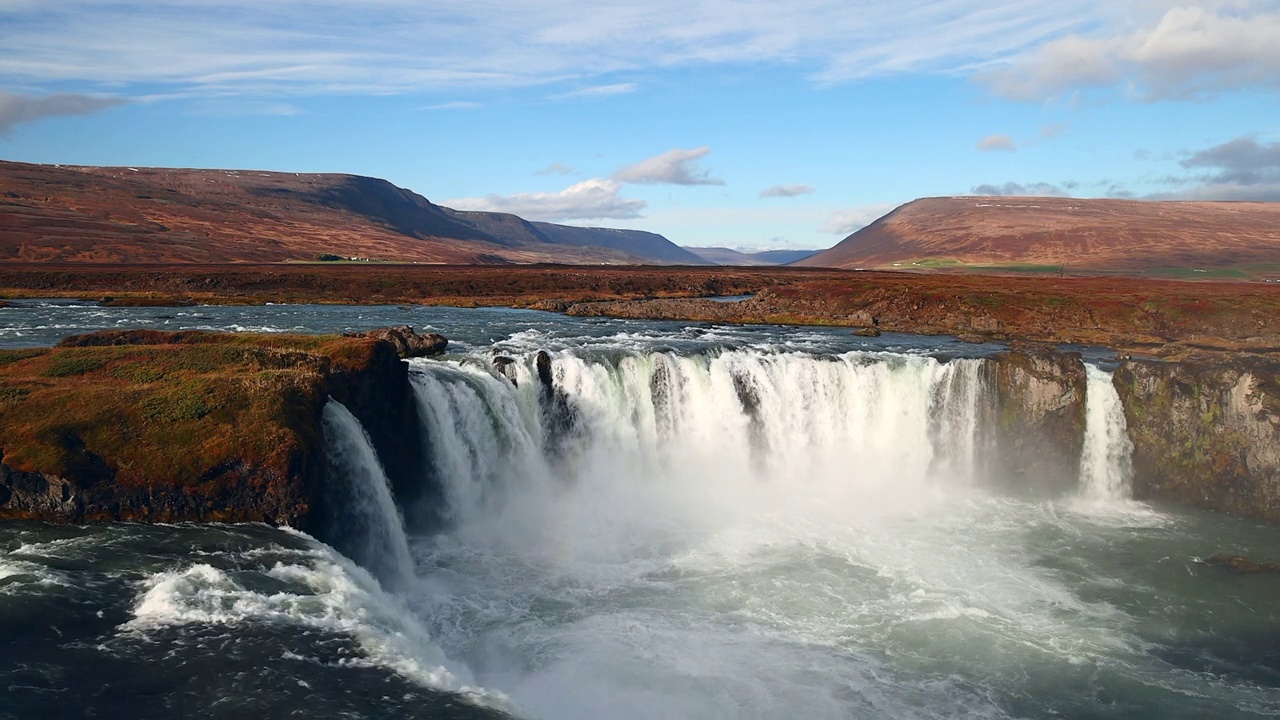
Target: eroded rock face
408	343
1037	423
1205	433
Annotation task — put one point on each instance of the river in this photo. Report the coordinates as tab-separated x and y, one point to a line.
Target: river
703	522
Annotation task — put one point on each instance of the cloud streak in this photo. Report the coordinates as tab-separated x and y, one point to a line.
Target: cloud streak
786	191
20	109
673	167
594	199
996	142
395	46
1188	52
1038	189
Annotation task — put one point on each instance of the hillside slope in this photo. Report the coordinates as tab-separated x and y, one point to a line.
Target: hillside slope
1067	234
635	242
54	213
728	256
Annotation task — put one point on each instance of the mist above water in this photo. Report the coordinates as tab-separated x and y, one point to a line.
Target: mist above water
754	533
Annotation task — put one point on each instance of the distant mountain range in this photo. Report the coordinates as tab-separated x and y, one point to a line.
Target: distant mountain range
727	256
1176	239
51	213
139	215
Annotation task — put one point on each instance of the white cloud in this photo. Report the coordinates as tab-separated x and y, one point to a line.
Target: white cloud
598	91
786	191
1038	189
673	167
1187	52
592	199
997	142
391	46
844	222
18	109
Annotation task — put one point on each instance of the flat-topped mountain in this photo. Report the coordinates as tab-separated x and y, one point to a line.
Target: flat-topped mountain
1189	239
54	213
729	256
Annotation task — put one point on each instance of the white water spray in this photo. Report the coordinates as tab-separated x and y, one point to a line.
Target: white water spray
1106	461
375	535
680	435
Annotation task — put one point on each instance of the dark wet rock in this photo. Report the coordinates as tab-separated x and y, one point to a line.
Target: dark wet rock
1241	565
408	343
1205	432
866	332
1038	401
505	366
542	362
559	418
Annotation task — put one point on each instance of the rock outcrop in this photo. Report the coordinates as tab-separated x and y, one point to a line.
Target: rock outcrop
1037	428
197	426
408	343
1205	433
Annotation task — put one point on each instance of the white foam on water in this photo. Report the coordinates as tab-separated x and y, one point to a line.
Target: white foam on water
744	534
326	592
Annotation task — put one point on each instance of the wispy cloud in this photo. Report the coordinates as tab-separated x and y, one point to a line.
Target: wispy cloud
17	109
556	168
1186	52
1039	189
997	142
673	167
786	191
393	46
597	91
454	105
229	107
593	199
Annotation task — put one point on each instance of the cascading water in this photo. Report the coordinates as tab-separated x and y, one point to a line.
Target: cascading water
805	525
861	421
374	535
1106	461
756	532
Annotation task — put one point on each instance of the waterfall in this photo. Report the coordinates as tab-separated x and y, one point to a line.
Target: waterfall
1106	461
372	531
793	422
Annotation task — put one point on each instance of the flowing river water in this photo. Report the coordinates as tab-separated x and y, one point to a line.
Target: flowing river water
704	522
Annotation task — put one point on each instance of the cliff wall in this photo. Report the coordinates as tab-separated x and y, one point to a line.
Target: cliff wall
1205	433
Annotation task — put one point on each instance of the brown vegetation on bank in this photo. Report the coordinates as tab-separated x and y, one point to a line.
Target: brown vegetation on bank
1160	316
153	426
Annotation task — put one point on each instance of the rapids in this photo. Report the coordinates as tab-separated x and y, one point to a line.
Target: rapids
688	522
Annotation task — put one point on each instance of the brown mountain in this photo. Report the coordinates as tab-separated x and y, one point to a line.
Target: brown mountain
1178	238
158	215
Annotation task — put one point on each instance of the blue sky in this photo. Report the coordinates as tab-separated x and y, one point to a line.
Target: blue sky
746	124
